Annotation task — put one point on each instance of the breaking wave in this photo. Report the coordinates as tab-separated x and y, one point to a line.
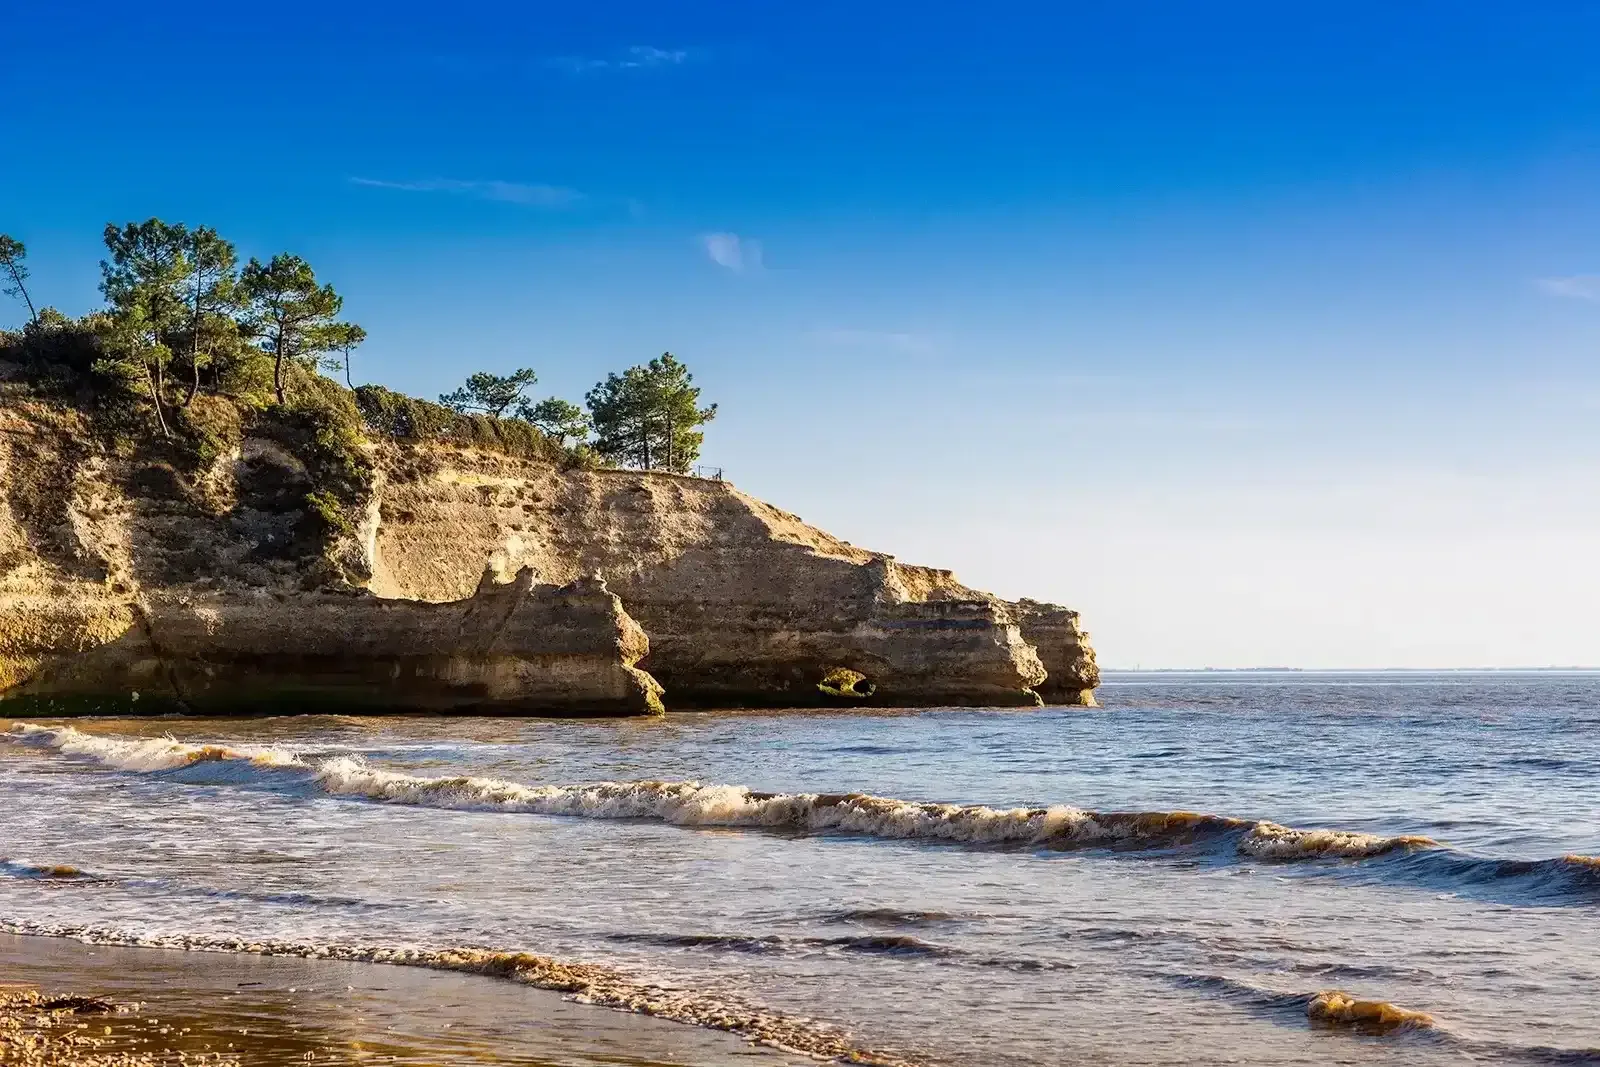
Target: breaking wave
695	804
584	983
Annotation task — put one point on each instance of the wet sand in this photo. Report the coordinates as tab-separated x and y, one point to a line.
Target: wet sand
177	1007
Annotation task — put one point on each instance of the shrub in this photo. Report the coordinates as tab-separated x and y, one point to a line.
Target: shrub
406	418
322	426
210	428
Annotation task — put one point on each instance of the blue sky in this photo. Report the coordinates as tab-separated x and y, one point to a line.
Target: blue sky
1262	334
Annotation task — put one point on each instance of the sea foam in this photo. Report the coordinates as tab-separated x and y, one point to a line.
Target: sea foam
585	983
696	804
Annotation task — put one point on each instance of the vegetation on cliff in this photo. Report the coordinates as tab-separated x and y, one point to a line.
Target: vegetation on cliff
193	351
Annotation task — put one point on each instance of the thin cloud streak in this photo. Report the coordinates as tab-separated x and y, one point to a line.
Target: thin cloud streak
1574	287
738	254
639	57
546	196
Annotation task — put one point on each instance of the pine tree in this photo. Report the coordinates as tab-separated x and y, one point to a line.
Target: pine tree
12	253
558	418
213	286
290	314
144	280
650	416
491	394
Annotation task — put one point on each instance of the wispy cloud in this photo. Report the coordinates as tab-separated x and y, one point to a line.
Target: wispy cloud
738	254
1575	286
911	343
639	57
549	196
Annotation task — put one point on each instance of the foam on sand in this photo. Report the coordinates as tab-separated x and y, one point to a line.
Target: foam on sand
584	983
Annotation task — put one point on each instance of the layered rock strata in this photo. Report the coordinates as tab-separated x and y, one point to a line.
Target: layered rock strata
1064	649
123	574
744	604
124	581
516	647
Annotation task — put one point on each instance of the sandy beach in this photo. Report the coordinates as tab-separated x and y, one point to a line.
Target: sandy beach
174	1007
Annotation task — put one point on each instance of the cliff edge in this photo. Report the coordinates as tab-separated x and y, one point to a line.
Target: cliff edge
467	579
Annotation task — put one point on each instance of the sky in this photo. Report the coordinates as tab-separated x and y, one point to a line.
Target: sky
1262	334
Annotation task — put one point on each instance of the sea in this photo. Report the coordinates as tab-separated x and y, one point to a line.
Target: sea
1262	868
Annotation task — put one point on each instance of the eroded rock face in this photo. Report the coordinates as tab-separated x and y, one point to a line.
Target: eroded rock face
126	574
744	603
125	583
1063	649
516	647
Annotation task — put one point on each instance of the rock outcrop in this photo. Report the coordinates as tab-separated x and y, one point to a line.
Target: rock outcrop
123	580
744	604
515	647
1064	649
132	573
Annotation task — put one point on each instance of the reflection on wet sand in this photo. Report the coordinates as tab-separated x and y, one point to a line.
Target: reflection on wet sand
141	1006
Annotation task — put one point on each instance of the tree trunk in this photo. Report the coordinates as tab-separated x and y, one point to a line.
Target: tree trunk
194	384
16	279
155	398
277	375
194	337
347	380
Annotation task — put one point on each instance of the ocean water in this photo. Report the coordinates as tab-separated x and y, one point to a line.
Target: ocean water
1185	875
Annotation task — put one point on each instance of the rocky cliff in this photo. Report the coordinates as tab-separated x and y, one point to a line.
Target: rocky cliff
135	573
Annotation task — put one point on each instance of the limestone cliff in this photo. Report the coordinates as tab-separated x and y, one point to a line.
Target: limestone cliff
744	603
124	573
1063	649
124	579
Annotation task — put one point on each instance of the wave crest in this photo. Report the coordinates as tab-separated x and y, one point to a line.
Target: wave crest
1572	879
1269	841
146	754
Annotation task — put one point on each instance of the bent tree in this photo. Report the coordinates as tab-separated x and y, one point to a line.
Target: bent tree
15	272
488	393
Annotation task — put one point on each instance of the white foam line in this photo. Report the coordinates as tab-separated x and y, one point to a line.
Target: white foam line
698	804
585	983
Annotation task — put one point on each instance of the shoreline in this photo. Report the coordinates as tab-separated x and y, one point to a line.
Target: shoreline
209	1006
581	1009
